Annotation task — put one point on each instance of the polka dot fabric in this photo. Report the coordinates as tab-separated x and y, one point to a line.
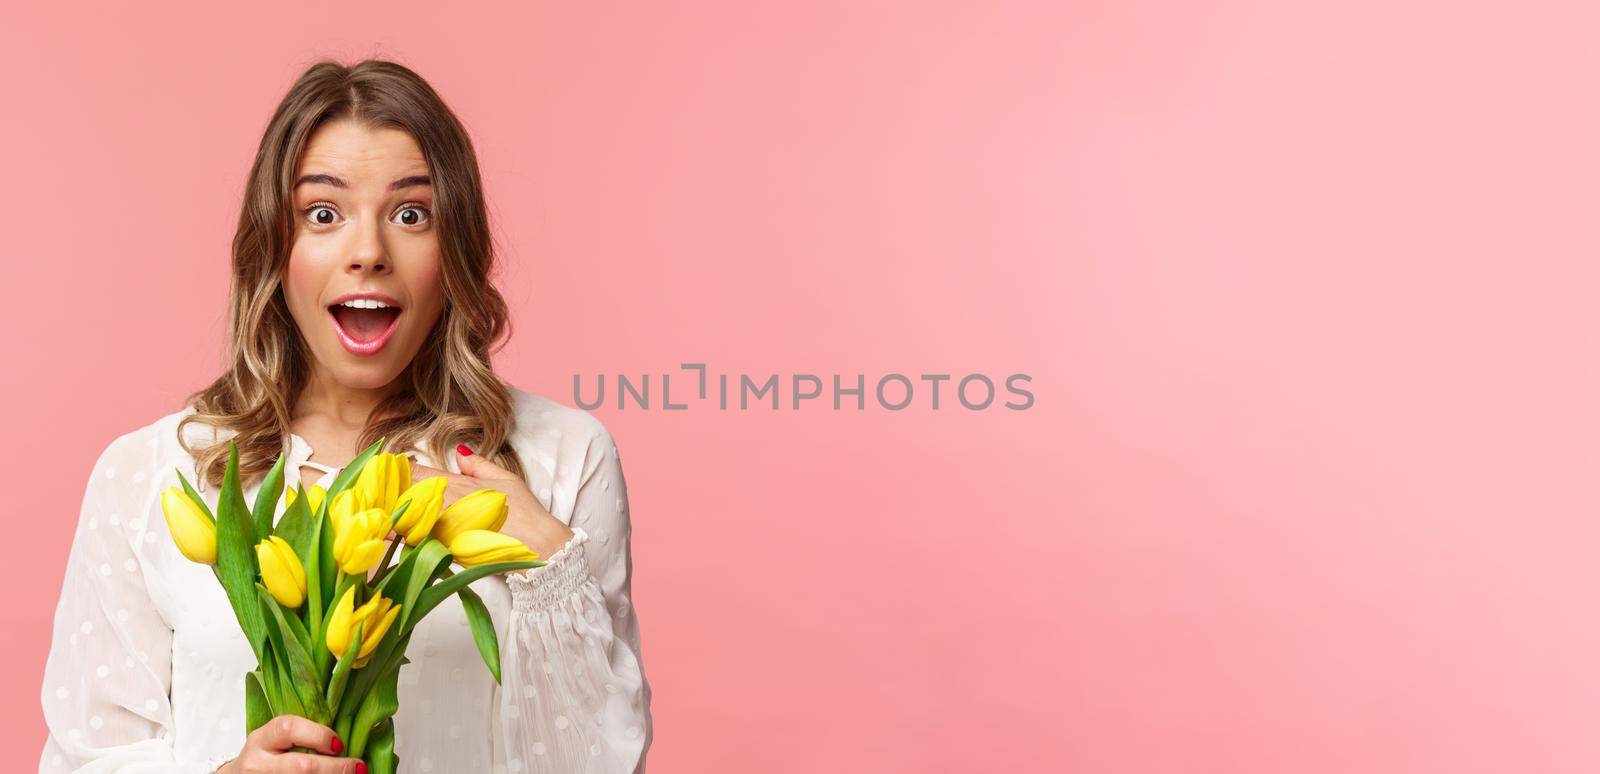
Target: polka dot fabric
146	666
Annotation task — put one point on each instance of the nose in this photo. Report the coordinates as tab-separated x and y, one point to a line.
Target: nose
370	255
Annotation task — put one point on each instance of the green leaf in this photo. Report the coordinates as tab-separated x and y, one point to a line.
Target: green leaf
267	674
307	684
341	671
257	711
193	495
330	569
312	562
391	652
277	651
400	511
378	705
429	555
231	497
439	592
267	498
297	525
236	555
291	622
482	630
381	757
285	700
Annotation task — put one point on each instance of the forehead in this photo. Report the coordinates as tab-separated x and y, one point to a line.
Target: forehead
354	152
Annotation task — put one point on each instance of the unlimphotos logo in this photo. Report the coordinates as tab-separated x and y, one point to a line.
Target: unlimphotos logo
892	391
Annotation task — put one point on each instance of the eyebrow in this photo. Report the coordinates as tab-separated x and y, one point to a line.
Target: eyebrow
325	179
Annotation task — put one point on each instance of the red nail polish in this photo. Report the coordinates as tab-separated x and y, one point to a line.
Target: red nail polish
462	450
338	746
361	768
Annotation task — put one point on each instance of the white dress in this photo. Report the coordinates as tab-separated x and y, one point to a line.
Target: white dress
147	663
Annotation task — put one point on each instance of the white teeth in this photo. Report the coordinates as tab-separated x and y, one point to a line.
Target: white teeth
365	303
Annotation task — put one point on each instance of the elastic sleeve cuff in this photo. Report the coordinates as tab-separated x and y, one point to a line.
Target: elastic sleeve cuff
540	588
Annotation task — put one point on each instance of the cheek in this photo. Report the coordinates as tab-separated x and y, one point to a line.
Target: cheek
303	280
427	284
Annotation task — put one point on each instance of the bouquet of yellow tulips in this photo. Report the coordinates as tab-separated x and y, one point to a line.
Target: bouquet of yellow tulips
326	613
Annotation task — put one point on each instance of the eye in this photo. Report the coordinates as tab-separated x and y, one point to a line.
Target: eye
321	214
413	215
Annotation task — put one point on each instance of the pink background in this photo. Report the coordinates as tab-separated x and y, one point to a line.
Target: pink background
1307	293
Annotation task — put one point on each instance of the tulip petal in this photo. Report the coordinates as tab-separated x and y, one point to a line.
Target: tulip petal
483	509
476	547
340	623
192	530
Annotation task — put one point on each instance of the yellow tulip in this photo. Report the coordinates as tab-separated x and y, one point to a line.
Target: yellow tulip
374	619
315	494
426	497
480	546
281	571
193	531
483	509
343	506
358	540
382	480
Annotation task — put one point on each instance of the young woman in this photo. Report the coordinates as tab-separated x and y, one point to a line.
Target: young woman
361	307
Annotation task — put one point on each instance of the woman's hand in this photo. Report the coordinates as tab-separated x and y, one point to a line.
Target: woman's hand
267	749
526	518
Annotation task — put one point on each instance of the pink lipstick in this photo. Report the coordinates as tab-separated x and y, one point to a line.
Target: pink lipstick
365	328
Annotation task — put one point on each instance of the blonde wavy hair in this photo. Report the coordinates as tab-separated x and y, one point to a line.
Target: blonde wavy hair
451	394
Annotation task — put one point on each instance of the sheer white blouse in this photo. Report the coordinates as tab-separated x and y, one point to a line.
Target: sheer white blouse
146	667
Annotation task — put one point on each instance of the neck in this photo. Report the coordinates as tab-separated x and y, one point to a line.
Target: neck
340	403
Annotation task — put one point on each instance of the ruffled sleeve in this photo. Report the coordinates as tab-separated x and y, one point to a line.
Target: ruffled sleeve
574	696
106	679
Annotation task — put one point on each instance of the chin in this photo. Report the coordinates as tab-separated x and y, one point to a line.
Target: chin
366	373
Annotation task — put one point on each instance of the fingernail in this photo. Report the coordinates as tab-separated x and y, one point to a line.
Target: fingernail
361	768
338	746
462	450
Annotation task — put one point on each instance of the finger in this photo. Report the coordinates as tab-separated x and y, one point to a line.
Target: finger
319	764
478	466
286	731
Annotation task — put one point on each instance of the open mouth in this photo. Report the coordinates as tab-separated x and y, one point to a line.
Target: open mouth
364	331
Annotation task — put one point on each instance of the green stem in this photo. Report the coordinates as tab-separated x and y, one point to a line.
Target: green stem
383	564
314	589
320	634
